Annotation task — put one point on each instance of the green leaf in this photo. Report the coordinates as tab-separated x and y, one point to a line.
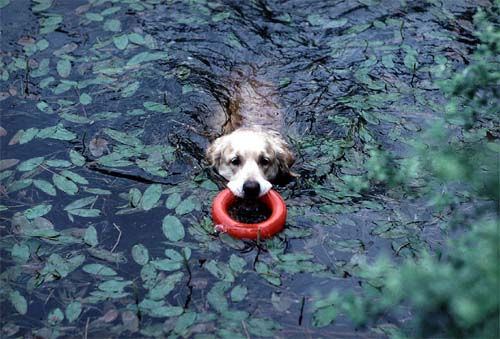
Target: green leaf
4	3
58	163
140	254
113	25
387	60
76	158
85	212
28	135
146	57
80	203
151	196
94	16
19	302
165	286
42	5
124	138
90	237
173	200
238	293
63	68
73	311
30	164
114	285
236	263
130	89
136	38
173	228
37	211
184	322
324	316
85	99
120	41
20	252
64	184
74	177
185	206
156	107
98	269
263	327
216	297
221	16
55	316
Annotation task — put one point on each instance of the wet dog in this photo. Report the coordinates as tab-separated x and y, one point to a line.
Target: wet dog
252	155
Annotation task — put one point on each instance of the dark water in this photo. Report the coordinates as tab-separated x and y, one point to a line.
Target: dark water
133	87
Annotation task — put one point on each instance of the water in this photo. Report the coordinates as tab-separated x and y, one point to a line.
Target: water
134	87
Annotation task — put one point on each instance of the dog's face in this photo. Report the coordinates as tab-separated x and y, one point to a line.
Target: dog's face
251	159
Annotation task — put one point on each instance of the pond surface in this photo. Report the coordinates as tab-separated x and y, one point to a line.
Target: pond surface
106	110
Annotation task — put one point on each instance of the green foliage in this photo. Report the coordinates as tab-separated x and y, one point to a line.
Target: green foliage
455	294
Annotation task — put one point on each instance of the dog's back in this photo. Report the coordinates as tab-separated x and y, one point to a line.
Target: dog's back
254	104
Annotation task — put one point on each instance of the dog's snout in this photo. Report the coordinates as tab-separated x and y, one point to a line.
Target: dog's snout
251	189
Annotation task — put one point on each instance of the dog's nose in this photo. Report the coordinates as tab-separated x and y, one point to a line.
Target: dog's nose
251	189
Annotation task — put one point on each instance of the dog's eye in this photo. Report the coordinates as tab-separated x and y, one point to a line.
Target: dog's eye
264	161
235	161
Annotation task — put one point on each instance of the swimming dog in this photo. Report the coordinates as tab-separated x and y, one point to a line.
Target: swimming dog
251	154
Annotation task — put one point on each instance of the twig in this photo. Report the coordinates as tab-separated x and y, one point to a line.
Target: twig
85	335
245	329
303	301
119	237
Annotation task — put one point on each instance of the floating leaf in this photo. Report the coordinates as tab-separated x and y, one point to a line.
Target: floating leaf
130	89
55	316
146	57
185	206
30	164
63	68
85	99
19	302
76	158
80	203
85	212
58	163
121	41
151	196
184	322
90	237
94	16
263	327
124	138
74	177
173	200
173	228
136	38
113	25
37	211
28	135
99	269
64	184
73	311
140	254
156	107
20	252
238	293
165	286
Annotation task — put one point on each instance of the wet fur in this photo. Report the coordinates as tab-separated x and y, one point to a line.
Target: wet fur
252	138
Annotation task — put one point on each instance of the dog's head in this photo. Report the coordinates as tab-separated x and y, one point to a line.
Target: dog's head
251	159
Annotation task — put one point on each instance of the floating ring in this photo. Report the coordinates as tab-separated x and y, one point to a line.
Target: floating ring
266	229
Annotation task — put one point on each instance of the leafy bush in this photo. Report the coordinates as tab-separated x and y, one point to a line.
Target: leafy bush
454	291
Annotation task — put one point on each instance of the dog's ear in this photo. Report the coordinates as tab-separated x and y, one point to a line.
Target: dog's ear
214	152
285	159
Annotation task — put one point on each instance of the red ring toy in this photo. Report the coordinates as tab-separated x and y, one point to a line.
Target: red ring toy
266	229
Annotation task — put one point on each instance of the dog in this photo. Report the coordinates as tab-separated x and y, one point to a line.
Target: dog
252	155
